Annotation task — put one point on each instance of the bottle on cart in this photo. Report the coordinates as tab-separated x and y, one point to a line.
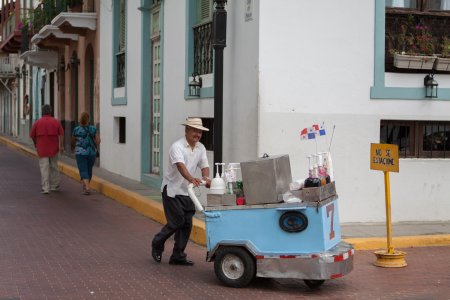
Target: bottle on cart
234	179
323	175
312	180
328	164
217	184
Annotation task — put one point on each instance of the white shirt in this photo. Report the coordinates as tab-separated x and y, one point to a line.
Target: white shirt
180	151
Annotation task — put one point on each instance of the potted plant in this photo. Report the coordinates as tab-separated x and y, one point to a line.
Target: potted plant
414	46
75	5
443	60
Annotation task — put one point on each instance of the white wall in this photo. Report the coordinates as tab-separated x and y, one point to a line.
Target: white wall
316	65
123	159
240	118
240	100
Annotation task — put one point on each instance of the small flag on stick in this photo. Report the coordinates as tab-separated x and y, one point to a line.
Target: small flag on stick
307	134
319	130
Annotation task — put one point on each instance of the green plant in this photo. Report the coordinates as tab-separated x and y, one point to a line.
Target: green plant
412	38
445	47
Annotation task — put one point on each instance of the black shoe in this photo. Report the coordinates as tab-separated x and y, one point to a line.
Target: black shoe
157	255
183	262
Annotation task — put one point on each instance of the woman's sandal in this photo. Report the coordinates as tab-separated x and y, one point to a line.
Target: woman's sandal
85	191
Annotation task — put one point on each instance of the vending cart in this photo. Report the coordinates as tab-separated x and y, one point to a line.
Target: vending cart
268	237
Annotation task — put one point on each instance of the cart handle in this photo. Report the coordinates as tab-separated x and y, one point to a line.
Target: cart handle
194	198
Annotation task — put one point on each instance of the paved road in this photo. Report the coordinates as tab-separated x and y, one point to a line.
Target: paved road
69	246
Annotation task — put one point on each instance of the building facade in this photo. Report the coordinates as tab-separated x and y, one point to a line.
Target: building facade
286	67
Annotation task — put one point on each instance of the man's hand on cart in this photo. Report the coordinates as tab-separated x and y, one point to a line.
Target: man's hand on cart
197	181
207	181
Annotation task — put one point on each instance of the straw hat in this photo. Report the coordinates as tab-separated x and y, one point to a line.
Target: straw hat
195	123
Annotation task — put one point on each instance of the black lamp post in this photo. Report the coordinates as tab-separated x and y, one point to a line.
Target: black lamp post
219	43
431	86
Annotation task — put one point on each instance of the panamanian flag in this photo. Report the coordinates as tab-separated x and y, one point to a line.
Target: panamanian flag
307	134
319	130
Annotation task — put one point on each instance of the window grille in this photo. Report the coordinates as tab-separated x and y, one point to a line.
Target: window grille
203	50
120	57
121	40
420	139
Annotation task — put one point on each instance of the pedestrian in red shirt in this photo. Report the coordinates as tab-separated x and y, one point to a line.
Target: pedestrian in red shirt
47	135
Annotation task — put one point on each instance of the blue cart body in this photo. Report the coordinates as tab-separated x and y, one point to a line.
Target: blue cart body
287	240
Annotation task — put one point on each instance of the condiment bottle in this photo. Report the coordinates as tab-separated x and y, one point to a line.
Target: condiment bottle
312	180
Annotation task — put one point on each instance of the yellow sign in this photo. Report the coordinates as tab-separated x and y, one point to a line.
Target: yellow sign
384	157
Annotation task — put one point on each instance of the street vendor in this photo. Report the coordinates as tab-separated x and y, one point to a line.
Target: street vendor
185	155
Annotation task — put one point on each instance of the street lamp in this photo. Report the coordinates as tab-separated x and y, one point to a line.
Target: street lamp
219	42
24	71
431	86
18	74
195	86
74	61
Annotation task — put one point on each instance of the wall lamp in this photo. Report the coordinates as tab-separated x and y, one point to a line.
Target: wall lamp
24	71
195	86
62	66
73	62
18	72
431	86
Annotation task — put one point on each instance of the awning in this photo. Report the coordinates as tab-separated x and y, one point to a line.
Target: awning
76	23
52	32
12	43
41	58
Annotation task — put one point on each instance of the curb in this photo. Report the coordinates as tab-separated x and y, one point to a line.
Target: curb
154	210
375	243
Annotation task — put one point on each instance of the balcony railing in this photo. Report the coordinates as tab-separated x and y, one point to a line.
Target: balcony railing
7	67
10	25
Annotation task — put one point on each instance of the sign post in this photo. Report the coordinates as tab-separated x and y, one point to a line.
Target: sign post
384	157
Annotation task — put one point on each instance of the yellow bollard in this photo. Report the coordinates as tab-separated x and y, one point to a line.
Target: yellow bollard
389	258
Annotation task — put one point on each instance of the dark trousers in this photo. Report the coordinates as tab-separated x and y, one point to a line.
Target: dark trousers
179	212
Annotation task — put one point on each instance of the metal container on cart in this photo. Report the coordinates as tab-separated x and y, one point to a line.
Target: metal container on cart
266	178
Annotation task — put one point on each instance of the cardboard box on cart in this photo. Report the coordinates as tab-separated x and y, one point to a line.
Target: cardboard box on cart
316	194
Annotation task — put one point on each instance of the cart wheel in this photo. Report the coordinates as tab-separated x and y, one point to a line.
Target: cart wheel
313	284
234	266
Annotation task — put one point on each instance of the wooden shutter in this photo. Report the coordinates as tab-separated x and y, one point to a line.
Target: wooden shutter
122	29
204	11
